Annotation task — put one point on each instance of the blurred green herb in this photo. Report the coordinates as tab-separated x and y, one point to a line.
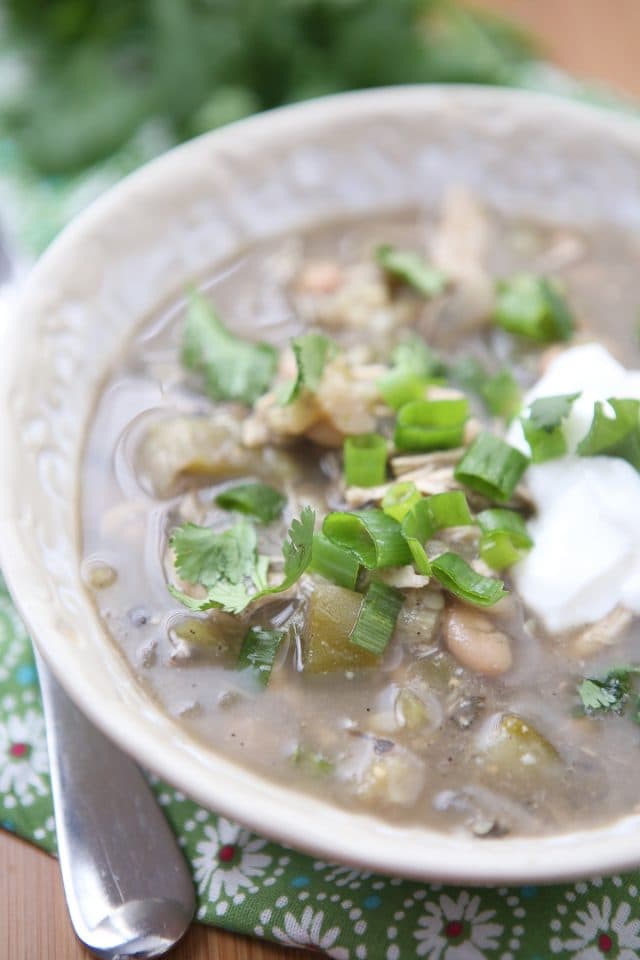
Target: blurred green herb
96	72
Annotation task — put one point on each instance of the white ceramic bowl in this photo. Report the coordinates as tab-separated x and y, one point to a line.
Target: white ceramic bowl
171	223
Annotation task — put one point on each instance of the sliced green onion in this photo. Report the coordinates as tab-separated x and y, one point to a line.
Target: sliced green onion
417	528
258	651
398	387
498	551
415	366
413	355
456	576
256	499
501	394
614	436
533	307
365	460
334	563
400	499
431	424
377	617
311	350
504	537
410	268
449	510
373	537
491	467
430	515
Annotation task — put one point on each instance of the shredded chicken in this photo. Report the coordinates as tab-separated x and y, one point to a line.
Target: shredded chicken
594	637
459	248
346	403
357	298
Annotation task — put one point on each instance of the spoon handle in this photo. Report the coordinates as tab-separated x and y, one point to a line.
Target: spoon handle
127	885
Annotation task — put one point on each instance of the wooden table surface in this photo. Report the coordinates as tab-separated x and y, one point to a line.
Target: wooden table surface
596	39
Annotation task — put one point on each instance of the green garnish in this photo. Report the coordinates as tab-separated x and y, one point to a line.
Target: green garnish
411	268
491	467
399	386
315	763
501	394
504	538
542	426
533	307
468	374
614	436
229	567
399	499
258	651
431	424
371	536
255	499
233	369
430	515
611	693
414	355
311	350
547	413
415	366
334	563
216	559
377	618
456	576
365	460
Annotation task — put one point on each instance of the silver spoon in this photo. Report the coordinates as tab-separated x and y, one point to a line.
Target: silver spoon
126	882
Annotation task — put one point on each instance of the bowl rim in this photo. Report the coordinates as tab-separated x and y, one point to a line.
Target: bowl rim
437	856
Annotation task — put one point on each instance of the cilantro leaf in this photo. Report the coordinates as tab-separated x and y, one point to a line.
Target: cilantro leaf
311	350
601	695
257	499
411	268
233	369
533	307
614	436
608	694
297	550
542	426
547	413
205	557
229	567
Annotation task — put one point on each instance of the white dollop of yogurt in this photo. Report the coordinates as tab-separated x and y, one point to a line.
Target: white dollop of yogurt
586	555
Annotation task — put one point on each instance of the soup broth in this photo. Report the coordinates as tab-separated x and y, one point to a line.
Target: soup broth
474	716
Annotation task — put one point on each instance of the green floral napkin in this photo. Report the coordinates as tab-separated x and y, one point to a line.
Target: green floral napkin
246	883
252	886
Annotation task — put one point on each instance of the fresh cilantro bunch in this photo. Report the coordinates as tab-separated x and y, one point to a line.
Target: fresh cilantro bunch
97	72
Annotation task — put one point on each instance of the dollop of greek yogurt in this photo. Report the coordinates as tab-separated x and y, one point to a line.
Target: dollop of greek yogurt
586	531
